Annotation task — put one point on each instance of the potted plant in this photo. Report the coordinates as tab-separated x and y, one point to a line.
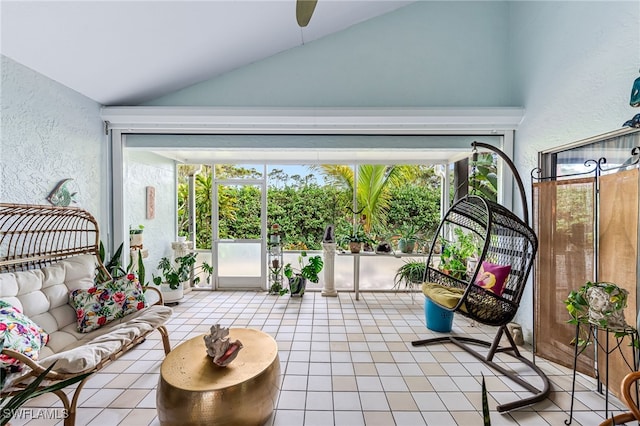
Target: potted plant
601	304
174	274
408	237
455	254
135	237
409	274
355	239
308	270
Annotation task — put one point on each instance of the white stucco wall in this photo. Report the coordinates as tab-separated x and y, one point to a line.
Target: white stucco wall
144	169
48	133
573	67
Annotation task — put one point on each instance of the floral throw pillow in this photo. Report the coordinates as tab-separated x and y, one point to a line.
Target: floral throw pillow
492	277
127	294
20	334
106	302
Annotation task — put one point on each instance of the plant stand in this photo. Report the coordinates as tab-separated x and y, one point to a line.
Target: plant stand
182	248
329	287
275	264
620	336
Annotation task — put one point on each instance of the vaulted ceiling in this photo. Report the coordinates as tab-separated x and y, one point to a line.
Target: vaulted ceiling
128	52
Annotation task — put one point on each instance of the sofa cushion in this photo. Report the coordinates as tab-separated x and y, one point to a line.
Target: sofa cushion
86	353
20	334
99	305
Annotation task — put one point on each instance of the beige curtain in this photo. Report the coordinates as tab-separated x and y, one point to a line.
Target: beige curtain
618	258
564	214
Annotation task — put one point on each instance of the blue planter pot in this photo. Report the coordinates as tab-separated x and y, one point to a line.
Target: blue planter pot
437	318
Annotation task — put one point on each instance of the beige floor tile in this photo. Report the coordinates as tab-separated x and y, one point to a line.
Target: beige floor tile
376	418
401	401
130	398
350	361
344	383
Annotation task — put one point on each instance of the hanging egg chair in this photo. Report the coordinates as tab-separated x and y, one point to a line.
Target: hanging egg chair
478	267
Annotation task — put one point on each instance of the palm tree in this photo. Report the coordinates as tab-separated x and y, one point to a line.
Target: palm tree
374	182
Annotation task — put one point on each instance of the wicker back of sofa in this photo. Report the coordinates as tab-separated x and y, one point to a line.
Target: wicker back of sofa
34	236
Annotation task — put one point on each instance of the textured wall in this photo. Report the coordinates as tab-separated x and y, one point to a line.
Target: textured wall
144	169
49	133
573	67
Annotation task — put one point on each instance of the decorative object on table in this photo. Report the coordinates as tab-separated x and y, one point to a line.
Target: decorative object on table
329	234
61	196
308	270
219	347
384	248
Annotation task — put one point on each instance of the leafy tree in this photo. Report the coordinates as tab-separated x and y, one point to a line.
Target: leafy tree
374	184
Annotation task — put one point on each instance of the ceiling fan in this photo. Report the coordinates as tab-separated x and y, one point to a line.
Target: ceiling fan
304	10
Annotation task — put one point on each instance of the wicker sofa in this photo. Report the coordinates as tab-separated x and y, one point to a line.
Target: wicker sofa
45	254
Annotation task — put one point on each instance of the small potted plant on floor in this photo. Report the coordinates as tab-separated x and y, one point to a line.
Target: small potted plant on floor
308	270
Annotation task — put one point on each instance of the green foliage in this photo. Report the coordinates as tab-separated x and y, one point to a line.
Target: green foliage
486	416
303	209
356	235
415	203
410	273
485	179
180	271
304	212
308	270
10	405
137	230
577	304
113	265
453	258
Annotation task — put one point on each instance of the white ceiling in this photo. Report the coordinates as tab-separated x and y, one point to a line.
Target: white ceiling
128	52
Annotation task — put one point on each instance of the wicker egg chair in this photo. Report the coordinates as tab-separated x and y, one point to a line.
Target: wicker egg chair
502	239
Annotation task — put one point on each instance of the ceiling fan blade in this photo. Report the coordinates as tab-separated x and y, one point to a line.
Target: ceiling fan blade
304	10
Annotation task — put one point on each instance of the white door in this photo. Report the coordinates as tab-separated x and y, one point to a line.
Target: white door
239	249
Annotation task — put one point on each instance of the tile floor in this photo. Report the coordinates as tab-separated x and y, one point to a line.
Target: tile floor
376	376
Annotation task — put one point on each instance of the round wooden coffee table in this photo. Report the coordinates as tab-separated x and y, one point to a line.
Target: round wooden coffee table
194	391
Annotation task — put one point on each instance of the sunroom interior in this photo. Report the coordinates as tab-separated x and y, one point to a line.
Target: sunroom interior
417	84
